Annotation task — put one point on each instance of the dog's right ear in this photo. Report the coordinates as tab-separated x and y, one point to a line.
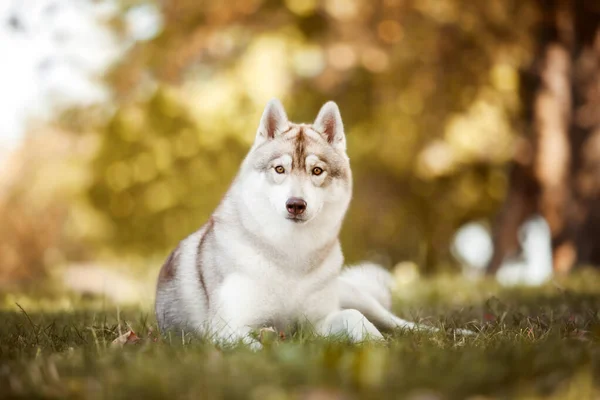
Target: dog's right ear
274	121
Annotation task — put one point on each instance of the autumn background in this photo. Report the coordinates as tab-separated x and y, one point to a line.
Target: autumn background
123	122
143	111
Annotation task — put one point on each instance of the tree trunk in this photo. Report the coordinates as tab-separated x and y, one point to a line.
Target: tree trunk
561	178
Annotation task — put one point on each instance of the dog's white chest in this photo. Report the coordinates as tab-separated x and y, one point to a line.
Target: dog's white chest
282	298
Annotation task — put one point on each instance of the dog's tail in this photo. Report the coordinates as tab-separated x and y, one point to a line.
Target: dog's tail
372	279
367	288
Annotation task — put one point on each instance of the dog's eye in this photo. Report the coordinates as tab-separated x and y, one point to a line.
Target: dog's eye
317	171
279	169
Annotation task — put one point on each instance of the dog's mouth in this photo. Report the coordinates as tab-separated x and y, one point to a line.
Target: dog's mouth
297	219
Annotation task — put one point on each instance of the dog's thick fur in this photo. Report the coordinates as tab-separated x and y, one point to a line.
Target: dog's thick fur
255	263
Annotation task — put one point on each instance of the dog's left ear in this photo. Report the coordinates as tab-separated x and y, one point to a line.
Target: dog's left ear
329	124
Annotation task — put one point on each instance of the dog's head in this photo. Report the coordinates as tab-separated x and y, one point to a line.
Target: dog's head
298	174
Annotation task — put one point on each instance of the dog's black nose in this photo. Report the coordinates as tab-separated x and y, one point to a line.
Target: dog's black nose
295	205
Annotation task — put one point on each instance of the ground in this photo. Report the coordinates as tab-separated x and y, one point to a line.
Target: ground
531	343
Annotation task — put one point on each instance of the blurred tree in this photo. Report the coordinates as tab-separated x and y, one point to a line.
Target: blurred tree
428	91
41	215
556	171
154	182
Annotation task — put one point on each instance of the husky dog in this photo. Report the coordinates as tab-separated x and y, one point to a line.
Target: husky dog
269	256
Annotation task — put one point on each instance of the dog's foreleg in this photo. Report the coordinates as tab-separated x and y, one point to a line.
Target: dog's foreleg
226	332
235	313
348	323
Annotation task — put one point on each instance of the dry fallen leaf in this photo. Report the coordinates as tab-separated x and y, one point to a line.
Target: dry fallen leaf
127	338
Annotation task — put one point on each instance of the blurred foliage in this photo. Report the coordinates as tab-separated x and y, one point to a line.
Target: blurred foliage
428	92
46	218
157	175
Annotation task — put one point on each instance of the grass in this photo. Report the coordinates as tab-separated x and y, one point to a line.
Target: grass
532	343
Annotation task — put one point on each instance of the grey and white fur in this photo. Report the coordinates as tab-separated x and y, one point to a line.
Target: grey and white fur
269	255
